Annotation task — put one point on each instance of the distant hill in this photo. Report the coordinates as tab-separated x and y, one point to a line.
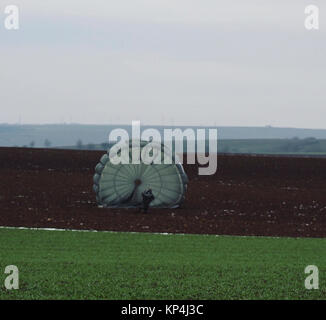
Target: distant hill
69	134
294	146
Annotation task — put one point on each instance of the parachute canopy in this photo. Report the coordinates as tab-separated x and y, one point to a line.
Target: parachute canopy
121	184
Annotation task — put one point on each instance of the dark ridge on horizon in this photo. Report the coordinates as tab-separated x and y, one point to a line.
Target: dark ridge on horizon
69	134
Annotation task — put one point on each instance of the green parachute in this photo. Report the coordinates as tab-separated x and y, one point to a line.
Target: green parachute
121	185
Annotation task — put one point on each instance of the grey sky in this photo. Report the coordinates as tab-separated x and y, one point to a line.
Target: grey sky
203	62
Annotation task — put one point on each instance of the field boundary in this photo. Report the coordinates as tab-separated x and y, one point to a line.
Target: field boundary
156	233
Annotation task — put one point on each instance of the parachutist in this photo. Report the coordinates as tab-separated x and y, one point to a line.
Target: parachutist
148	197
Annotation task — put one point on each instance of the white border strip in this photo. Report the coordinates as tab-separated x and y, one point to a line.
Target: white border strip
104	231
157	233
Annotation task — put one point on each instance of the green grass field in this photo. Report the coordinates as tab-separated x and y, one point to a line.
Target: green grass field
104	265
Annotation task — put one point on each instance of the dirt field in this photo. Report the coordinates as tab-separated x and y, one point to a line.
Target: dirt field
249	195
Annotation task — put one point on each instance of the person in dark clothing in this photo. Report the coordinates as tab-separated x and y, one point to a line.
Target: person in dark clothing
148	197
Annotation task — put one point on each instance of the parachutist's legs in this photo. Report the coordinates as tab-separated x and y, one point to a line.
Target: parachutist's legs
146	205
145	209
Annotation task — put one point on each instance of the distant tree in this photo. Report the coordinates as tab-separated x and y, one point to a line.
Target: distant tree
79	144
47	143
32	144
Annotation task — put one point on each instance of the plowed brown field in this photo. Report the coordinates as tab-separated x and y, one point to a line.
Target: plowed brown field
248	195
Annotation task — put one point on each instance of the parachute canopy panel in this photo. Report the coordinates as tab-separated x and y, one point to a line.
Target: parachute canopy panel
121	185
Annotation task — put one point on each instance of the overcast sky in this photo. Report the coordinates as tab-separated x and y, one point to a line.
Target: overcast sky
187	62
